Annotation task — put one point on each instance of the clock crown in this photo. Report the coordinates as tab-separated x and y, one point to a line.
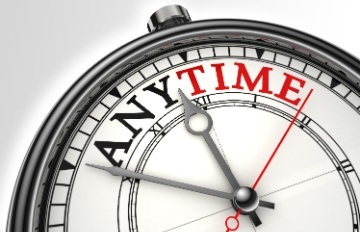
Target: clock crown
168	16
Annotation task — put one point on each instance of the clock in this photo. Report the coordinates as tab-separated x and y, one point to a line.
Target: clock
215	125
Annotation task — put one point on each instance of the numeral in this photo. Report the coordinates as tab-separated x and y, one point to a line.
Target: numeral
255	99
356	226
346	166
127	179
156	128
202	101
305	122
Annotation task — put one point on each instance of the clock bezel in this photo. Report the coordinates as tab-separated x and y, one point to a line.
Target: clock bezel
70	107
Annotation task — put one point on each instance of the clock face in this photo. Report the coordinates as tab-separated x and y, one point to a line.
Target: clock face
285	126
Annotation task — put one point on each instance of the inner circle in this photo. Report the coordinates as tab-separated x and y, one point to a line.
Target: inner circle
198	122
197	172
246	200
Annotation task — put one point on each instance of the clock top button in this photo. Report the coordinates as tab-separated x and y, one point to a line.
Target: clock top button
168	16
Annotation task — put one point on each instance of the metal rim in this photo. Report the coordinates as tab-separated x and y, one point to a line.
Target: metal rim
21	213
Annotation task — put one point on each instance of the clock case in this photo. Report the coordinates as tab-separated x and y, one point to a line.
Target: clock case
30	199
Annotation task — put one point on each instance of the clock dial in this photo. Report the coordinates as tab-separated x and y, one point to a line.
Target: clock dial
252	92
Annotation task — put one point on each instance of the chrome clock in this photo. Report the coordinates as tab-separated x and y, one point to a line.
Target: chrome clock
215	125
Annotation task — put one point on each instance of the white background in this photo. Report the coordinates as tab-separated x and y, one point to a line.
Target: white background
46	45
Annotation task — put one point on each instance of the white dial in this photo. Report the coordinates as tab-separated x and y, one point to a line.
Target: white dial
263	102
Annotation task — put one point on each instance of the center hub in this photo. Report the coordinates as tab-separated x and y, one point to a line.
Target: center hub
246	200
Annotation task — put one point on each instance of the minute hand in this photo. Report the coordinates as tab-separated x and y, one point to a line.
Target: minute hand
116	171
190	110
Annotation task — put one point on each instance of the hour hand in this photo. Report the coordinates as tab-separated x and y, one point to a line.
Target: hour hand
190	110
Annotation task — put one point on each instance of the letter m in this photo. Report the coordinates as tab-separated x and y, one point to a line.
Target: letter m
243	74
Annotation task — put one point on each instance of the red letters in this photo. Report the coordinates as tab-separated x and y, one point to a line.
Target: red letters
290	87
220	76
287	86
263	74
193	80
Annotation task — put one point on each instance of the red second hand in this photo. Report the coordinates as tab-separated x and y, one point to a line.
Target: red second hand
282	139
228	229
237	223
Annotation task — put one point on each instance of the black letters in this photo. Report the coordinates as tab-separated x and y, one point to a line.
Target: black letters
102	145
163	93
141	115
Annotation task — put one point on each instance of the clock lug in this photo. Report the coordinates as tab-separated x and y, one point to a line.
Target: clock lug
168	16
